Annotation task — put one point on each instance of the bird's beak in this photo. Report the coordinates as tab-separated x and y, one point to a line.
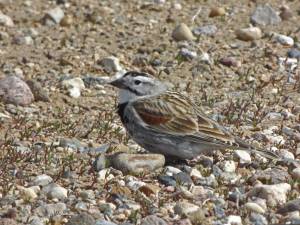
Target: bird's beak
117	83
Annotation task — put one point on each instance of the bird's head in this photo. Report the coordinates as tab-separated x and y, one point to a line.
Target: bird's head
135	84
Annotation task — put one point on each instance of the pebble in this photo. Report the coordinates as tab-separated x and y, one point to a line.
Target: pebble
271	176
274	194
149	189
87	195
283	39
135	184
286	154
153	220
42	180
7	221
185	208
34	220
101	162
15	91
285	12
81	206
290	206
49	210
67	21
74	86
182	33
73	144
107	208
104	222
137	163
208	30
254	207
265	15
249	34
54	16
258	219
177	6
111	64
296	173
229	166
294	53
187	54
170	170
81	219
55	191
183	178
6	20
217	11
243	156
23	40
39	93
230	62
209	181
234	220
195	173
28	194
167	180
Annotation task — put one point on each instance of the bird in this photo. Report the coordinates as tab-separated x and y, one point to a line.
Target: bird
170	123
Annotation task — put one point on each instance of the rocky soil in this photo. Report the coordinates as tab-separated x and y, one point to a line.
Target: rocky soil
65	157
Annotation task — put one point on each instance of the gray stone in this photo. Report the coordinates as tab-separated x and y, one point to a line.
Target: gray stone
257	219
72	144
290	206
55	191
49	210
294	53
15	91
111	64
271	176
36	221
137	163
23	40
185	208
101	163
81	219
265	15
208	30
183	178
167	180
274	194
6	20
187	54
54	16
153	220
42	180
243	156
74	86
40	94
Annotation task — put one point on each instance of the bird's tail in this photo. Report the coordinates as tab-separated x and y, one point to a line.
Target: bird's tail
250	148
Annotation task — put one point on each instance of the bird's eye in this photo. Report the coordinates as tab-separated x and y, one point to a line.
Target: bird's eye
137	82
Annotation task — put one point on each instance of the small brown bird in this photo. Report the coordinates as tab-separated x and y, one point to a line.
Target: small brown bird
169	123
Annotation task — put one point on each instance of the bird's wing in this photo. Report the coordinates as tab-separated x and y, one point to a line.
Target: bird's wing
174	113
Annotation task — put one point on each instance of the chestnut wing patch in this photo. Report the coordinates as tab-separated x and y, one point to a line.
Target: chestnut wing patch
159	113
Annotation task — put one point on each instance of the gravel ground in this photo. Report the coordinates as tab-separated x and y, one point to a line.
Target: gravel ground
65	158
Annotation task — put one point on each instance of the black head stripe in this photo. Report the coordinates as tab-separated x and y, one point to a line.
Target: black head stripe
135	74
